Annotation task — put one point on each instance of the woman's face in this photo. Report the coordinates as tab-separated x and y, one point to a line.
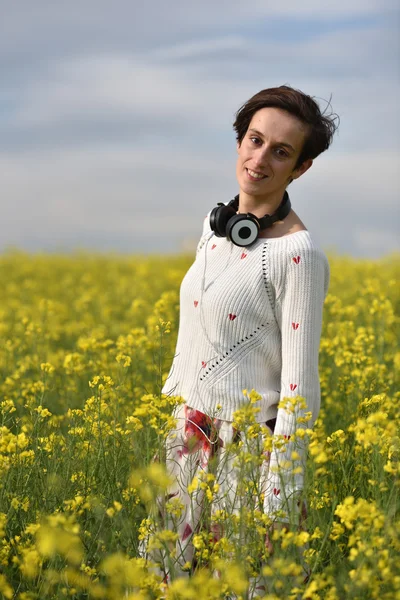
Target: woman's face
268	153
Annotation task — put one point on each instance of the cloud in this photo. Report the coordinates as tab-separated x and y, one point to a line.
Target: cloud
32	34
156	83
344	197
116	121
194	49
372	241
133	195
111	87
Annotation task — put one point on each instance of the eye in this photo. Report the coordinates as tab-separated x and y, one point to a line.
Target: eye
281	153
255	140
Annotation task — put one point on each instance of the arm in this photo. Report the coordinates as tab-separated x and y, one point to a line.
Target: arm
299	314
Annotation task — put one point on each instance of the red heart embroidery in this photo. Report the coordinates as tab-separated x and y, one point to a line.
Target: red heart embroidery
203	364
232	317
296	259
293	386
243	255
186	532
286	437
195	303
276	492
213	246
295	325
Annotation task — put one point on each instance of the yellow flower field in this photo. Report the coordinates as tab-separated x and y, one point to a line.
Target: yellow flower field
86	342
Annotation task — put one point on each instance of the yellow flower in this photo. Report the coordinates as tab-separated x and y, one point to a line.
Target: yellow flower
193	485
5	589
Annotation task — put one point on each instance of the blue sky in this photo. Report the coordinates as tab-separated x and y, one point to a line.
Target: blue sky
116	118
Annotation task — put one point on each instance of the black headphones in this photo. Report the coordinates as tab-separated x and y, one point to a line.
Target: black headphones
243	229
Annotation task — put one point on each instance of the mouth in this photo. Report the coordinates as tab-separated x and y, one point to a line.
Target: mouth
255	176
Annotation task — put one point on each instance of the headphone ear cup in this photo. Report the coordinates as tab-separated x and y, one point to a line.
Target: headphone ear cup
219	217
242	230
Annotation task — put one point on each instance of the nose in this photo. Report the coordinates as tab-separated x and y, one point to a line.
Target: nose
261	156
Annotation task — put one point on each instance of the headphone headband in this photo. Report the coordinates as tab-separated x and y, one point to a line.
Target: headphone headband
242	229
267	220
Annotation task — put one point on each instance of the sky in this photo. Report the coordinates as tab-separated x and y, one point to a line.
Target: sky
116	118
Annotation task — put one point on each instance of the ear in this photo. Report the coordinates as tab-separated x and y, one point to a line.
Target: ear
302	168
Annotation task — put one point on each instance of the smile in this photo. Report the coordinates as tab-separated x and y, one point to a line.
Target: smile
255	175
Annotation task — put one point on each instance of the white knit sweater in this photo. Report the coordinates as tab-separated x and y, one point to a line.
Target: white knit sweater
250	318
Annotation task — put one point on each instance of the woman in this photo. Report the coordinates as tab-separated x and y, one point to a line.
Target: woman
250	318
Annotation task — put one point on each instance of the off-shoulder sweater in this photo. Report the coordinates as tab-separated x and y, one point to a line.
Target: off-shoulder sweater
250	318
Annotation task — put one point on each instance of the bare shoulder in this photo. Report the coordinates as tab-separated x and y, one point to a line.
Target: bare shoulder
292	224
297	227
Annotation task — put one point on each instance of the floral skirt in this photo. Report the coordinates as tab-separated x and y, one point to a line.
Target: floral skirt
217	475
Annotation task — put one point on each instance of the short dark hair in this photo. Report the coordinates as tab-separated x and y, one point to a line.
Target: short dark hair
321	126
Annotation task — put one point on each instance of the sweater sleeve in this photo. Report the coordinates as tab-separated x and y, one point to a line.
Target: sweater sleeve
298	310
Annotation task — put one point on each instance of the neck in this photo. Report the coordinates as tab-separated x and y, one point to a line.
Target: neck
259	205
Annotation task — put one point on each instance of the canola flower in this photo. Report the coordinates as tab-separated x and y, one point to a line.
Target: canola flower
87	342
